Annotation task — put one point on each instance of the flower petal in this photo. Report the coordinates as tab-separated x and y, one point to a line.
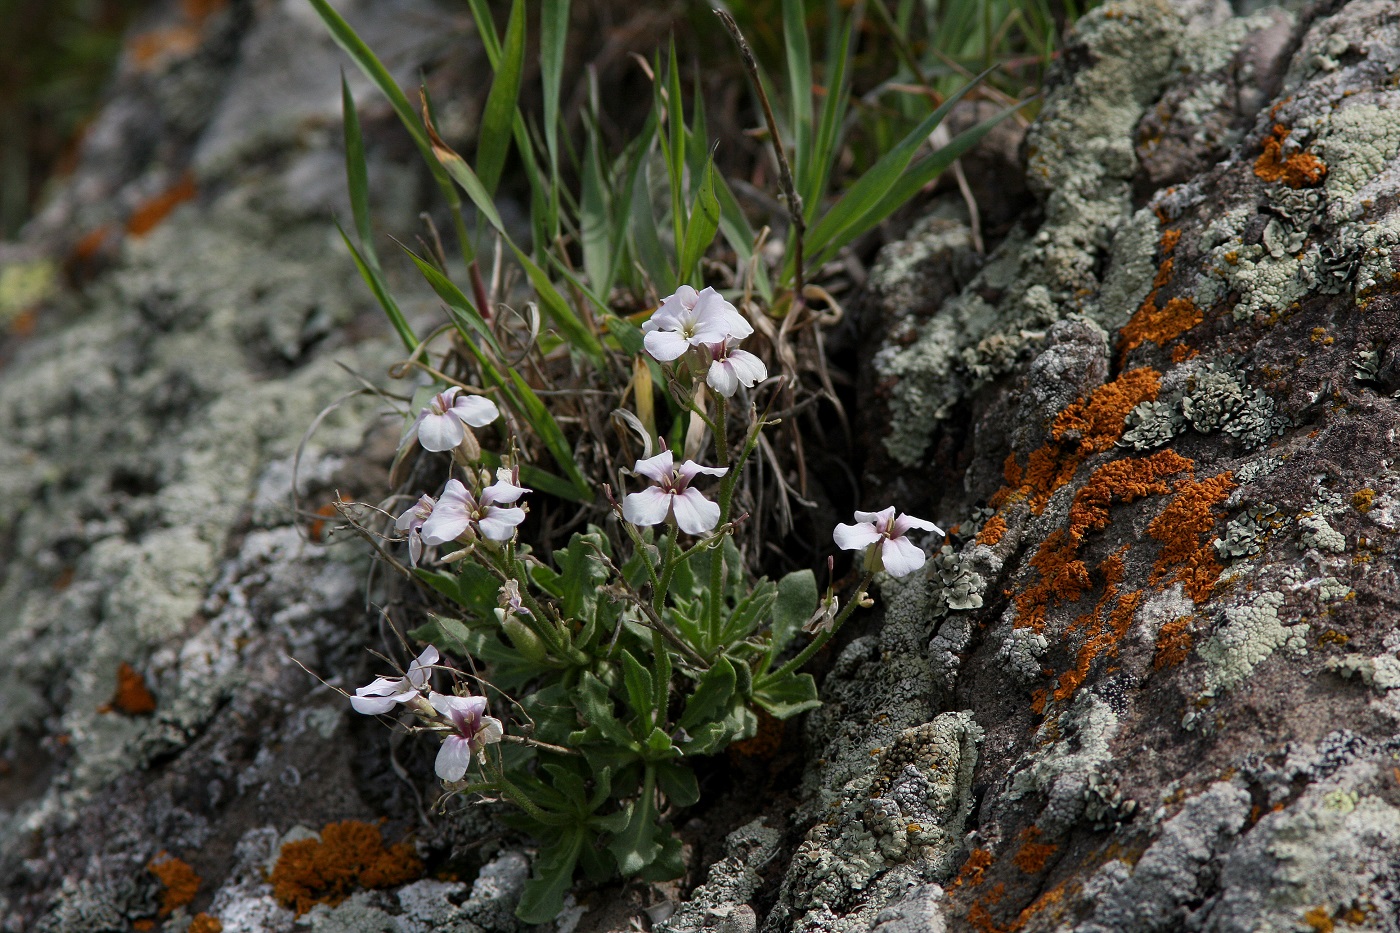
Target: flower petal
722	378
416	513
502	491
694	513
714	315
748	368
902	525
658	469
440	432
901	556
445	525
490	732
690	469
475	410
855	537
422	667
415	548
648	507
498	524
372	706
874	517
665	345
453	758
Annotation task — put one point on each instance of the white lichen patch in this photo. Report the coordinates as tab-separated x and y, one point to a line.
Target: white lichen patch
1316	532
1358	143
1250	634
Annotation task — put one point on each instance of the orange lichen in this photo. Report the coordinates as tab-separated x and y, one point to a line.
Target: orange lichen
1299	170
1032	855
1126	480
975	868
764	743
1185	558
1360	500
179	880
1320	919
1173	643
992	531
203	923
1103	627
1086	427
1160	325
145	923
980	918
1181	353
348	856
1063	577
132	696
149	214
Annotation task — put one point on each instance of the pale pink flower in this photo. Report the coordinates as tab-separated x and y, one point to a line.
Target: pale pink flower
732	367
672	495
411	523
471	731
457	510
441	425
883	537
691	319
381	695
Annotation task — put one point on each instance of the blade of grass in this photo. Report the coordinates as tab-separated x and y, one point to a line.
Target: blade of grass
872	187
456	299
356	174
645	236
554	28
799	70
923	172
459	171
594	216
579	335
494	138
824	146
486	29
675	147
381	293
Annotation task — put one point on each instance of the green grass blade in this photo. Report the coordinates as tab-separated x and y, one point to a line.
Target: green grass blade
554	29
356	174
920	174
486	29
550	434
594	216
456	299
354	46
459	171
381	293
494	137
871	188
645	236
825	145
704	222
799	70
675	149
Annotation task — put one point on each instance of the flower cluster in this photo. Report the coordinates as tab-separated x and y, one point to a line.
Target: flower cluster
457	512
884	538
462	720
706	323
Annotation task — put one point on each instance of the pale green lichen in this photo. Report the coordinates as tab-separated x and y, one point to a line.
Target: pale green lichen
1316	532
1244	536
1357	143
1250	634
1211	397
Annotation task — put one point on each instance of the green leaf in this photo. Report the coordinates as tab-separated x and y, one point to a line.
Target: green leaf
678	783
543	898
554	34
637	679
646	236
578	334
636	846
799	69
704	221
711	695
668	864
793	694
596	705
381	293
675	148
356	174
707	739
918	175
595	221
460	172
817	170
579	577
457	300
494	137
447	632
354	46
797	600
848	214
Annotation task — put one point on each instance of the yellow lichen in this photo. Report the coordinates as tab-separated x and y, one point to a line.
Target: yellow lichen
1185	558
178	880
1298	170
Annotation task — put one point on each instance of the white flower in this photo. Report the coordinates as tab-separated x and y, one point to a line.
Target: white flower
471	730
671	494
732	367
441	425
411	523
456	510
689	319
381	695
895	553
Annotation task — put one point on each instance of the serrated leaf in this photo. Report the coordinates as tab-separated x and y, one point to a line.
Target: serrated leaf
637	680
596	705
678	783
543	897
636	846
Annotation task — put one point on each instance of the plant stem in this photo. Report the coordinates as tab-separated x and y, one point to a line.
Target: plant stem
816	644
668	569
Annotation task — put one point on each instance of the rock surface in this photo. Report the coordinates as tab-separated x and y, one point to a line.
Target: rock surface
1153	682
